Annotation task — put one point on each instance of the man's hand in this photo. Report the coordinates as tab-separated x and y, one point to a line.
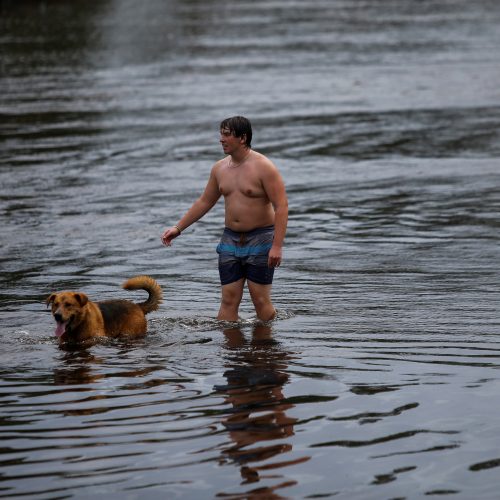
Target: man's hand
274	257
169	235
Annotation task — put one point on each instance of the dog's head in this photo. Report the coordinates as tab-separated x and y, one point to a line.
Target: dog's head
67	309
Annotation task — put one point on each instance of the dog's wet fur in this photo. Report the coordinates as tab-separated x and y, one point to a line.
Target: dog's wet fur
78	319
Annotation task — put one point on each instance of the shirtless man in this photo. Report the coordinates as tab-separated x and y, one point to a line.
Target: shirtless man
256	216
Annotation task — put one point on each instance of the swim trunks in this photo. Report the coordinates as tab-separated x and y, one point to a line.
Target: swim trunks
244	255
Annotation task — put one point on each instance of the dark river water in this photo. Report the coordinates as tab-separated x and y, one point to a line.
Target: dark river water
380	377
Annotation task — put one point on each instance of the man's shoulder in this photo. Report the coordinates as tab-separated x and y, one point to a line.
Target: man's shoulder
218	164
263	163
261	159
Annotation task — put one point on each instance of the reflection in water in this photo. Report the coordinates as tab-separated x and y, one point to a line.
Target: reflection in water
78	367
99	378
256	375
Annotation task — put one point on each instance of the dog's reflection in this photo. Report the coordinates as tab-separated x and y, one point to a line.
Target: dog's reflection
78	366
94	375
258	424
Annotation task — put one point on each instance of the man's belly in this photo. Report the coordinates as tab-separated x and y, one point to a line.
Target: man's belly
243	219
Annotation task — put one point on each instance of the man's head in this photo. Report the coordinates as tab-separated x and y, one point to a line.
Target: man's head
239	126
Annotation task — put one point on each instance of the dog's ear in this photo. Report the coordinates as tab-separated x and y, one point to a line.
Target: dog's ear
50	299
81	298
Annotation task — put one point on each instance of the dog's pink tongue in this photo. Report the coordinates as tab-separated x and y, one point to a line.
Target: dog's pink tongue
60	329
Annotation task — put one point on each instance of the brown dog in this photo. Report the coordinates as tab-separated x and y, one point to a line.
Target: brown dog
79	319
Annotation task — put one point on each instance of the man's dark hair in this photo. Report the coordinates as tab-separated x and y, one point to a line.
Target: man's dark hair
239	126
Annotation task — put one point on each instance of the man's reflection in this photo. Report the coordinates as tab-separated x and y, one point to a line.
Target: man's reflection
256	374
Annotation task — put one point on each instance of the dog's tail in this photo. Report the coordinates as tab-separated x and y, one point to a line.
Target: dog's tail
151	286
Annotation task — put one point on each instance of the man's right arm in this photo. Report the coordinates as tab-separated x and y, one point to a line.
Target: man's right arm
198	209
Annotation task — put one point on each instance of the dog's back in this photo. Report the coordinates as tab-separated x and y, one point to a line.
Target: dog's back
122	317
125	317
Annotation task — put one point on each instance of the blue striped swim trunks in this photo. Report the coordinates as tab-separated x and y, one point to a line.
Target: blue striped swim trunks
244	255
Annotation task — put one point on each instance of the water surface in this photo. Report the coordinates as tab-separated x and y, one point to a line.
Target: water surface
379	379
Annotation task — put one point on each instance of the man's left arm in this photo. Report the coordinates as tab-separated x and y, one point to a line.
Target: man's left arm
276	192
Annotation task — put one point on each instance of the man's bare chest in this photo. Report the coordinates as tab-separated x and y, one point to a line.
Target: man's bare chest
240	182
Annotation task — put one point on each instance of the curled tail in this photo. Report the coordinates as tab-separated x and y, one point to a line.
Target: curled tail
151	286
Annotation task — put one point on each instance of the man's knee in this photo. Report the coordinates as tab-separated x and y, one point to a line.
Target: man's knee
260	301
264	309
230	300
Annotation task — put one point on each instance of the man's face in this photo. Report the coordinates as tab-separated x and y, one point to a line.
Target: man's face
229	142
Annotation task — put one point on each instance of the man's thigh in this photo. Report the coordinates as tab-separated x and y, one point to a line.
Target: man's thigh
259	291
233	291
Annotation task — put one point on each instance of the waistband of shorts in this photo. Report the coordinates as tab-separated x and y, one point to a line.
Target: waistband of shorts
258	230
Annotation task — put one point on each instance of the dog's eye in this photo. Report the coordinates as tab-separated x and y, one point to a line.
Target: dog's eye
67	304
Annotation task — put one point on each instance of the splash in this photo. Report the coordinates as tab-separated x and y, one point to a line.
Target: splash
207	323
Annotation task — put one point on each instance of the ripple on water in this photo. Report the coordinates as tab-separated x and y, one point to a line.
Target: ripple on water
379	378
